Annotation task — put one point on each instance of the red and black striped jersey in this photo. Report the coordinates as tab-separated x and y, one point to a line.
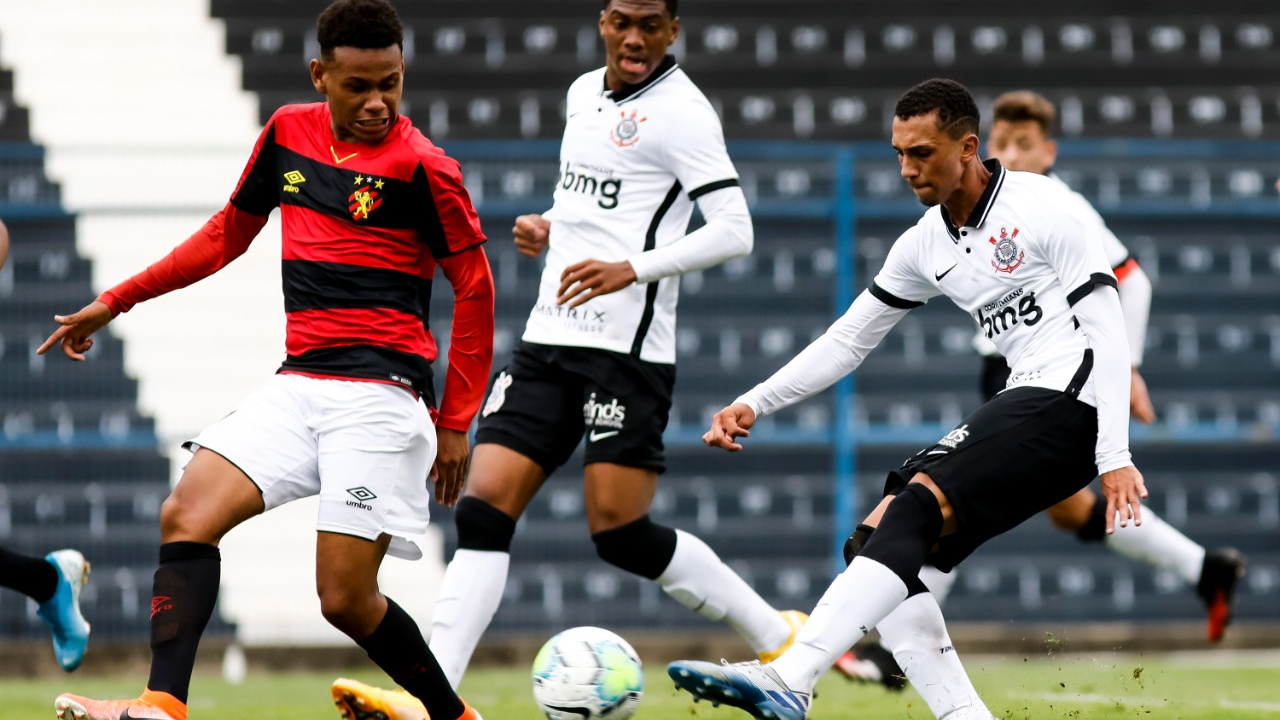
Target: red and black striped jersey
364	228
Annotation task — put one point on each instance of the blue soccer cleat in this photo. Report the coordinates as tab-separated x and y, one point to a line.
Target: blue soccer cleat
62	611
748	686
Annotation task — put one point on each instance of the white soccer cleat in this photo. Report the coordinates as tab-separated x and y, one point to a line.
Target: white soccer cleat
748	686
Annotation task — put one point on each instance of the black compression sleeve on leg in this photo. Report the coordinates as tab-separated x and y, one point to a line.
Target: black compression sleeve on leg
854	545
185	592
482	526
909	528
641	547
397	647
32	576
1095	528
856	541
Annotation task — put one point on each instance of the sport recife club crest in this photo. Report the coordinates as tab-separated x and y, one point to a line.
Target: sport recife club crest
627	132
1009	256
365	199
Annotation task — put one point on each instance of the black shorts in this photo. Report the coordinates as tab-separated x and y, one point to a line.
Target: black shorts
549	396
1017	455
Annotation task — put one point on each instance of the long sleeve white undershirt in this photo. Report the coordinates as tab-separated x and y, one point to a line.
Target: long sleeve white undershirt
728	234
835	354
1135	302
1102	321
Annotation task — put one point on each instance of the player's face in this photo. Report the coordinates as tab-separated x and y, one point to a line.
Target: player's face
932	162
363	88
1021	146
636	36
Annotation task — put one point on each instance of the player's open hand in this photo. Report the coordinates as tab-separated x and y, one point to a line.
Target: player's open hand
728	425
75	329
453	459
531	233
589	279
1124	491
1140	407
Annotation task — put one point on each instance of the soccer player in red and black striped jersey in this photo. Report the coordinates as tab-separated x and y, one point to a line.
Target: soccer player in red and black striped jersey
369	209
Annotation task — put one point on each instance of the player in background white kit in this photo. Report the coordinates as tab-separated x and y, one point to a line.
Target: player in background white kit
1021	139
641	145
1005	247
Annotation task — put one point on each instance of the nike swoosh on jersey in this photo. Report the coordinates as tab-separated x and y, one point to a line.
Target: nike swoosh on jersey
938	277
600	436
939	452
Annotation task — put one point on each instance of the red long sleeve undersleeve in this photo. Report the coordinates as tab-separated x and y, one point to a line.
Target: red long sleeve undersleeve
223	238
471	339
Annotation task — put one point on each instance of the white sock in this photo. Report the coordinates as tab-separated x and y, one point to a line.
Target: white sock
1158	543
469	596
858	599
918	635
698	579
938	582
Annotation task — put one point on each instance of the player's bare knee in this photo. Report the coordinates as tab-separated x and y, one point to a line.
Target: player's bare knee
179	521
346	605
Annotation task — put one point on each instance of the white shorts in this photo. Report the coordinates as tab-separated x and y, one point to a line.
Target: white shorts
365	448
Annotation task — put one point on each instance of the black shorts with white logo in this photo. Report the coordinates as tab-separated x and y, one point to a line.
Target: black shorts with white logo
1019	454
548	397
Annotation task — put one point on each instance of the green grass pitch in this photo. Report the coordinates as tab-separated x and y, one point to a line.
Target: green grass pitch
1098	687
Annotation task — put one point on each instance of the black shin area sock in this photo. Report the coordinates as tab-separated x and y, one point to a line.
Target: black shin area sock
185	591
397	647
1095	528
909	528
641	547
32	576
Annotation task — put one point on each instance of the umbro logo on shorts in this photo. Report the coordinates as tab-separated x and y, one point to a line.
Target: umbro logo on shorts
361	493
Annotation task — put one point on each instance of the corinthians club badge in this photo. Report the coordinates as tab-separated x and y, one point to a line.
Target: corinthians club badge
1008	256
627	132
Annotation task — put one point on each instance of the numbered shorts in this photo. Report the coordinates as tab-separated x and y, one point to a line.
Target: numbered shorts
548	397
1021	453
365	448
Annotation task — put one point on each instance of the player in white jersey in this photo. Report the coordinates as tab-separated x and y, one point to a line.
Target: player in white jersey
641	146
1021	139
1005	248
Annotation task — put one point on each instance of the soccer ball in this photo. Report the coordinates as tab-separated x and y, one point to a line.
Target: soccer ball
587	673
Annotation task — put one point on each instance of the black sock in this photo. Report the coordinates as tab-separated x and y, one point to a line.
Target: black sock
397	647
1095	528
34	577
185	590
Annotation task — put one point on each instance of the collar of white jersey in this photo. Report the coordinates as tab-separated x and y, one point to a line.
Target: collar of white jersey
631	92
979	213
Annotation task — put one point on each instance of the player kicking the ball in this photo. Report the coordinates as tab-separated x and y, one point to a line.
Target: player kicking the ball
1005	247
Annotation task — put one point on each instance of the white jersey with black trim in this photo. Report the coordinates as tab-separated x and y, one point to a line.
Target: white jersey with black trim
1076	204
632	164
1025	269
1017	266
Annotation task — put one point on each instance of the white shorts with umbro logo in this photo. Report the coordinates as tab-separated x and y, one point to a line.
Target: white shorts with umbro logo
365	448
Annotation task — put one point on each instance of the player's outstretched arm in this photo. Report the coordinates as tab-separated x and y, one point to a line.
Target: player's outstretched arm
728	425
223	238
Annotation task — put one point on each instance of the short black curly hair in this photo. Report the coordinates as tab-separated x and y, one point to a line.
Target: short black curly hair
672	5
364	24
957	112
